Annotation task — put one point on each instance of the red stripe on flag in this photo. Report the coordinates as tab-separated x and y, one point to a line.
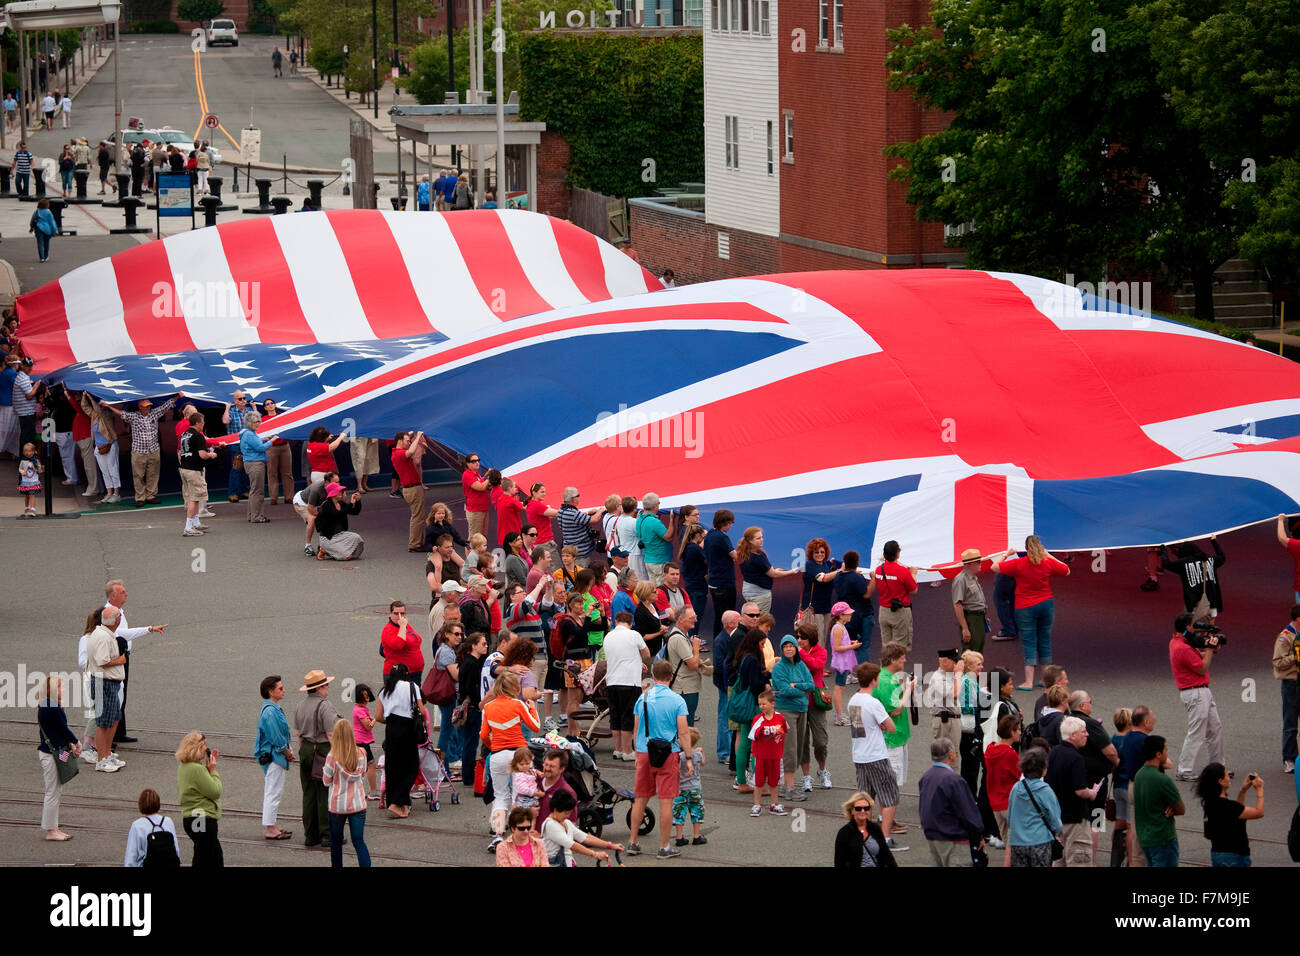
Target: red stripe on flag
387	296
254	256
979	514
580	251
44	328
494	264
140	272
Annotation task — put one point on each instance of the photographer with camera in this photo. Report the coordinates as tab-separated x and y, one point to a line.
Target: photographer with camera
1199	574
1191	649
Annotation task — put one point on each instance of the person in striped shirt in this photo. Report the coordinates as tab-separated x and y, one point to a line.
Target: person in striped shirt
345	776
578	525
22	167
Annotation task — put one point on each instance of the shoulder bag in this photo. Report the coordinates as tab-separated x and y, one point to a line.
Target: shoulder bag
1058	850
65	765
419	726
657	749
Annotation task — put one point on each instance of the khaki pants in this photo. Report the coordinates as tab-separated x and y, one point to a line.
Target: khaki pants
1078	841
477	521
950	728
414	496
87	448
896	626
365	457
256	471
279	471
144	474
947	853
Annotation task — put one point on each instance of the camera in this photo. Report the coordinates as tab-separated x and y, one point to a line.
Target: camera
896	604
1203	634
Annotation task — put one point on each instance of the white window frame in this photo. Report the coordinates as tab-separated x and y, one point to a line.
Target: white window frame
787	136
771	148
713	14
731	137
765	17
838	17
734	26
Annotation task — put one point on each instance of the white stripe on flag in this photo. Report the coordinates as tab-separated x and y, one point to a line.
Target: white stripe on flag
322	280
1020	509
622	275
439	275
534	243
93	306
206	292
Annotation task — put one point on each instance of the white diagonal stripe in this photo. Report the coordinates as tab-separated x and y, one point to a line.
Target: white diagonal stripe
93	307
534	243
321	279
205	290
439	275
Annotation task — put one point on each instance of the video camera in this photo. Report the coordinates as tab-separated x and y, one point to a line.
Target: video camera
1203	634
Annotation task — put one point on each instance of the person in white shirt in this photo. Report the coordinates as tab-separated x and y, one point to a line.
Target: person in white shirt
868	724
65	105
47	107
562	837
115	592
626	659
151	820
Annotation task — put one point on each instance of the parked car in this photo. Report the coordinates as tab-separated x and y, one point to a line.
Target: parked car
222	31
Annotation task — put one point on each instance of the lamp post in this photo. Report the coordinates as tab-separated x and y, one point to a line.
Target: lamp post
451	51
112	14
499	46
374	55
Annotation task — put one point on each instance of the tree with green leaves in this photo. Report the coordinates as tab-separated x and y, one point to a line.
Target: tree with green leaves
199	11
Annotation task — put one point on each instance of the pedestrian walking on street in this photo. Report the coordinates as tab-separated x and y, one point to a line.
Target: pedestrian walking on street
42	224
277	60
65	107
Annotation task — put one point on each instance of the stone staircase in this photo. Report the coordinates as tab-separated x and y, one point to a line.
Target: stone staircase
1241	297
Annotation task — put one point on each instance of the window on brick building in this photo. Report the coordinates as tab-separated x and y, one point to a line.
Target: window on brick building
731	136
787	152
839	23
823	22
771	147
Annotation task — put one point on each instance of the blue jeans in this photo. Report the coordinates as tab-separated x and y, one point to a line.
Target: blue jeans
698	599
238	483
724	731
1004	599
692	702
357	828
66	176
1290	717
1165	855
1229	859
42	245
863	634
1035	626
22	182
449	741
469	743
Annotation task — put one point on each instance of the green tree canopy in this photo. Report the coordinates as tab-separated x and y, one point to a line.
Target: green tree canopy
199	11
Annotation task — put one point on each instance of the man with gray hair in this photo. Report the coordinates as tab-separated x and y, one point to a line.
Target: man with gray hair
1067	775
115	598
233	419
146	455
949	816
106	664
656	538
723	646
578	525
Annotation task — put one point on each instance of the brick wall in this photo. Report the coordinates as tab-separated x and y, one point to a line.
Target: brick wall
667	238
236	10
553	196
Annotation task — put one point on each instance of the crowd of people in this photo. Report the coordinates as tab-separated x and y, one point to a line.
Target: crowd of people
514	630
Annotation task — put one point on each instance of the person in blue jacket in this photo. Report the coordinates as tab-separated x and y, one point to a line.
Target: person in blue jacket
274	752
43	225
253	448
792	682
422	201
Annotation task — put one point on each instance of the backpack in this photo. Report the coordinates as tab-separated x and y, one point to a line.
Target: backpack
556	640
160	847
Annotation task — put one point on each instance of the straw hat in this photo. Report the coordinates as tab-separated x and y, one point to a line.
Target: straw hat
315	679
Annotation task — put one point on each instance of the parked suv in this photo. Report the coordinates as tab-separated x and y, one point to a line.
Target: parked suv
222	31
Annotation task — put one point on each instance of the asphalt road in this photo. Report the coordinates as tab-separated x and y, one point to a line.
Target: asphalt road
158	85
243	602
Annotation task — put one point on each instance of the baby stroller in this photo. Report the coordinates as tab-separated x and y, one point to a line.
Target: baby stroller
595	802
596	694
436	777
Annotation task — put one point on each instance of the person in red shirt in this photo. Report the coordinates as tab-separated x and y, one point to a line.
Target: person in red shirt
895	585
509	509
540	514
85	444
408	449
320	452
1191	669
1001	771
1292	545
477	497
768	732
1035	607
400	644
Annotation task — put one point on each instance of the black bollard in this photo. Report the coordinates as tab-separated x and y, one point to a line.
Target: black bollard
39	177
123	190
214	187
56	209
5	193
263	198
82	177
281	204
314	186
210	204
375	186
130	204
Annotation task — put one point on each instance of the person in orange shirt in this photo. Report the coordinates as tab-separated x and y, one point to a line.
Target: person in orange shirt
504	718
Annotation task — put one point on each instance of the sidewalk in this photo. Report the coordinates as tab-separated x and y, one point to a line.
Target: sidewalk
83	78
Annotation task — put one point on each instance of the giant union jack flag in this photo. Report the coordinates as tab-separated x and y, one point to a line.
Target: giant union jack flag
947	409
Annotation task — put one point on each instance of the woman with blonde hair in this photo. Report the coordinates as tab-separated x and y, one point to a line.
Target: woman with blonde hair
345	776
199	787
1035	607
505	717
756	570
58	747
646	620
861	842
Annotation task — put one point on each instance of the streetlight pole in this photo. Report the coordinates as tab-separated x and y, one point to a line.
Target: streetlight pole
117	101
499	46
451	46
374	54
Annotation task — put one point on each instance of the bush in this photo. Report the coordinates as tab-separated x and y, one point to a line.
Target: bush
199	11
641	99
151	26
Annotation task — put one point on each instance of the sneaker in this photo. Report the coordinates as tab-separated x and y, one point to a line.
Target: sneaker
394	494
205	513
191	533
807	784
454	765
69	481
202	527
682	841
548	725
796	796
617	755
89	755
634	849
895	846
824	779
779	810
667	853
1288	766
114	758
1150	584
1005	637
1184	777
699	841
492	847
309	551
563	720
107	766
995	843
756	811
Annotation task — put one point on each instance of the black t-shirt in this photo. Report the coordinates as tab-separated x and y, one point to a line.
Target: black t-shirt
576	644
1066	773
1224	827
192	442
1098	740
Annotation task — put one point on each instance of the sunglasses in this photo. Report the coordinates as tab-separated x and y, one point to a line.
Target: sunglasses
473	461
861	809
522	829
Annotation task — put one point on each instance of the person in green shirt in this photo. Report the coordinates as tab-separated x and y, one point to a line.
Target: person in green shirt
896	695
199	788
1156	801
